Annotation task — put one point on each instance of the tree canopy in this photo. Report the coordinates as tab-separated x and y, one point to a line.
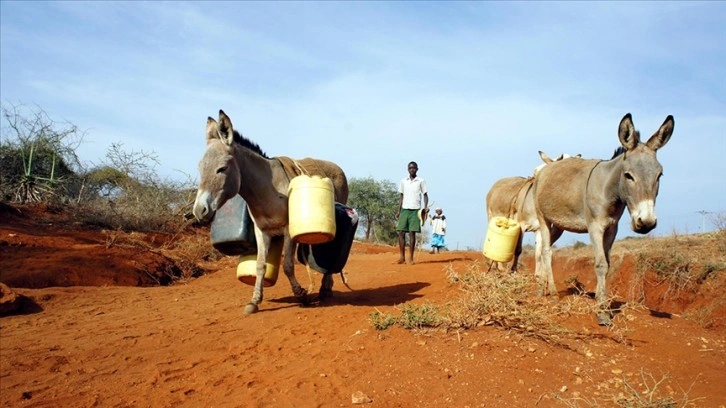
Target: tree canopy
376	203
38	163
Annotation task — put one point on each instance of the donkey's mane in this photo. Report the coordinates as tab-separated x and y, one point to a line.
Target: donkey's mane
244	142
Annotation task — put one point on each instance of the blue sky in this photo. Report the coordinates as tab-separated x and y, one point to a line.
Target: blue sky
469	90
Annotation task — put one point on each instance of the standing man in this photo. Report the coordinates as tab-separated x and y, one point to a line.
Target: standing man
410	191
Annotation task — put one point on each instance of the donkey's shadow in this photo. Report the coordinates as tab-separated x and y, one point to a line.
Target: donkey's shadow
381	296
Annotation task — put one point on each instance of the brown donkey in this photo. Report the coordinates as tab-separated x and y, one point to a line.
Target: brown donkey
590	196
512	197
233	165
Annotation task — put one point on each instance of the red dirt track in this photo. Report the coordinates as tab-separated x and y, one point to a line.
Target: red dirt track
95	338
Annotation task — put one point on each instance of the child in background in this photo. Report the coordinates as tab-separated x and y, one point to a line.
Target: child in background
438	223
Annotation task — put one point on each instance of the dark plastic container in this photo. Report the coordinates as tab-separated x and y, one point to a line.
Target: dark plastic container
232	230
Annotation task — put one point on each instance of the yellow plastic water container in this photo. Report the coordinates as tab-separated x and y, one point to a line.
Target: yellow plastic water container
247	267
501	239
311	207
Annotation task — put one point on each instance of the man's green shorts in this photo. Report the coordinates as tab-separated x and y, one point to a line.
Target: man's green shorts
408	221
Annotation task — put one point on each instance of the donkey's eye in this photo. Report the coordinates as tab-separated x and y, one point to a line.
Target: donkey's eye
629	176
222	169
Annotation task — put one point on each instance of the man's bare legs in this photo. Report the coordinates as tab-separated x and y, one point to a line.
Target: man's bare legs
401	246
412	241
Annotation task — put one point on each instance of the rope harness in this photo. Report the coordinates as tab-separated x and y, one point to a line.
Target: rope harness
528	183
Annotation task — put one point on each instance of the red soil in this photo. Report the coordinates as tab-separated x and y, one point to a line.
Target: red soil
96	338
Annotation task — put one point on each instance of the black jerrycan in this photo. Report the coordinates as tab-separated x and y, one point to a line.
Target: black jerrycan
232	231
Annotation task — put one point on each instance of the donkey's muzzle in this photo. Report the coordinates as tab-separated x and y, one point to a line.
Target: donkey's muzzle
203	208
202	213
642	227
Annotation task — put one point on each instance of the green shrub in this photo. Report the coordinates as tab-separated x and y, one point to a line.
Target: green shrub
412	317
382	321
419	316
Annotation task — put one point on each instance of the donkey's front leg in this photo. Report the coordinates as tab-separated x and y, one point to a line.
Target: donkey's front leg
601	243
289	268
263	246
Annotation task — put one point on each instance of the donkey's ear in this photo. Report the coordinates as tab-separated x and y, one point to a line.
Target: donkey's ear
226	131
211	132
663	135
544	157
627	134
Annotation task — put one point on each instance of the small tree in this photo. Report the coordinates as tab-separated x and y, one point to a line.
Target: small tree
127	193
376	203
718	219
37	154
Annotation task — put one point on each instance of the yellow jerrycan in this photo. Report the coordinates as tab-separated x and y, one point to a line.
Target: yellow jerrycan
501	239
247	267
311	210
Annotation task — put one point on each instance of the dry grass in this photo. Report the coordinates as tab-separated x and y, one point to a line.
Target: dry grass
183	253
670	271
683	265
193	249
500	299
150	210
683	262
119	238
707	316
648	393
504	300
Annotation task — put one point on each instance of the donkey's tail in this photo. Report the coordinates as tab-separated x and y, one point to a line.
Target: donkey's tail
345	281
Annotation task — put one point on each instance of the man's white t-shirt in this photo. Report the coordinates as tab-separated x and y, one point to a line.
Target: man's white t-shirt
412	191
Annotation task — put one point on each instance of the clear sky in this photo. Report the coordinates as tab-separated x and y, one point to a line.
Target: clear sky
469	90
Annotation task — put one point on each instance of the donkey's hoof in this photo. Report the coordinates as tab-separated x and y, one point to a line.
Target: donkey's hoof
326	288
251	308
325	294
303	297
603	319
